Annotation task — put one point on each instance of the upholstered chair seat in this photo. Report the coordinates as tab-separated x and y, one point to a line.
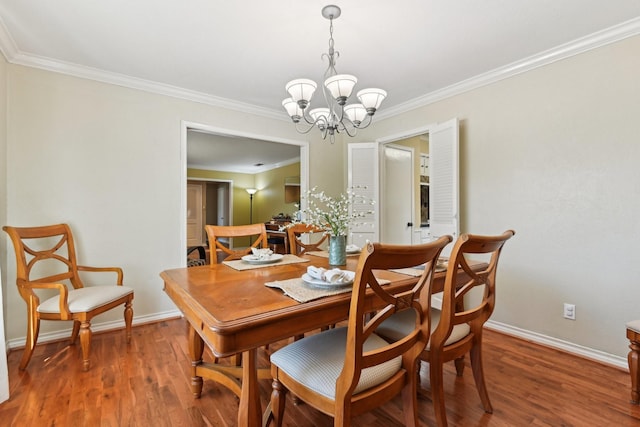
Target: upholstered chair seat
86	299
316	362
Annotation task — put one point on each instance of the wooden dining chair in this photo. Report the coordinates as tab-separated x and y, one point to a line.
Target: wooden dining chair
633	358
297	245
46	259
457	327
216	232
350	370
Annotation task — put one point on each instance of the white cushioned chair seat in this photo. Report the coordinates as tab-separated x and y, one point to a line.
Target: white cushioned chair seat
86	299
400	324
634	325
316	362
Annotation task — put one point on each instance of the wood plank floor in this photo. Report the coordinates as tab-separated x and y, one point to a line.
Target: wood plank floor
147	384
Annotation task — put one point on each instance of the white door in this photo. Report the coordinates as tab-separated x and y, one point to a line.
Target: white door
362	171
397	198
443	178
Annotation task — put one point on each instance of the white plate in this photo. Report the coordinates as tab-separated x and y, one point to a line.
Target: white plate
252	259
321	283
353	249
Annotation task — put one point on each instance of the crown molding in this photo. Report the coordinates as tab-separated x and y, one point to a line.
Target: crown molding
601	38
575	47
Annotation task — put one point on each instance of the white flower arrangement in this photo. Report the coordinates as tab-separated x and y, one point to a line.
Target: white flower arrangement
334	215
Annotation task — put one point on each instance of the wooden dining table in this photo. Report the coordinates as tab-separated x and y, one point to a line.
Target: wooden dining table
233	312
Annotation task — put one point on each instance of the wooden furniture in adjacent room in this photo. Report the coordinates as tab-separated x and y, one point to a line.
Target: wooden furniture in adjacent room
46	259
350	370
215	232
458	325
276	238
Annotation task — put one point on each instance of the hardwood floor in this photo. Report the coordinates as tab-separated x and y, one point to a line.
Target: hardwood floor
147	384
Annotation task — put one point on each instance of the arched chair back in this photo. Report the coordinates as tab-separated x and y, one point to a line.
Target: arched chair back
349	370
217	246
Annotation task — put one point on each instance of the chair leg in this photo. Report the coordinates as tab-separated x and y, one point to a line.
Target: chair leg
478	374
277	402
634	365
410	397
437	388
128	318
85	342
74	333
33	328
459	363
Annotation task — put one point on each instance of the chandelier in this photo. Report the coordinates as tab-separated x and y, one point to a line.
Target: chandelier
336	117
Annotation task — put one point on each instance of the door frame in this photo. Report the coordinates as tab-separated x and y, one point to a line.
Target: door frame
186	125
390	139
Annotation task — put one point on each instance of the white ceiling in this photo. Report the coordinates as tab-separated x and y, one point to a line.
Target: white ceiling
240	54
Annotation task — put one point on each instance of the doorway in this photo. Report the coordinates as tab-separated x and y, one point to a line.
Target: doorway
240	138
208	202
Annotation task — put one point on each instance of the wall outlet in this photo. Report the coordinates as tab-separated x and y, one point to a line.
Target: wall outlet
569	311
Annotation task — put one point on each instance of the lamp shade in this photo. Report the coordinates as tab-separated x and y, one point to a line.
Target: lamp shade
320	113
293	109
341	86
371	98
355	112
301	90
252	191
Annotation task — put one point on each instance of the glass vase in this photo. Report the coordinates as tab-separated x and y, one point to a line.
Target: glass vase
337	250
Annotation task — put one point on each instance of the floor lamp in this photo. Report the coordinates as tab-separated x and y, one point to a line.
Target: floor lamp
251	192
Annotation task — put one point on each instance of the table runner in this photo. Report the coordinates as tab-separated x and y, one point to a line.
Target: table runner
286	259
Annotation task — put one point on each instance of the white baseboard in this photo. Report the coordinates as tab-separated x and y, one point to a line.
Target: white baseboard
96	327
566	346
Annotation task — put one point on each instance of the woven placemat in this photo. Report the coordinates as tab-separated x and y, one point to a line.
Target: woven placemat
303	292
416	272
300	291
286	259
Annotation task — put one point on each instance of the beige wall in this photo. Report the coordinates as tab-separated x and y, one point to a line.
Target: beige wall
269	200
106	159
553	153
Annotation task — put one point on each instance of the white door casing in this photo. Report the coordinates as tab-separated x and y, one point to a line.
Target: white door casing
397	195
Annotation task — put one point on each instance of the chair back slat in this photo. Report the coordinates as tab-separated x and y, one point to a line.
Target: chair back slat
361	324
298	246
457	305
215	232
45	254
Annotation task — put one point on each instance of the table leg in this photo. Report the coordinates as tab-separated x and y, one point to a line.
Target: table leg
250	409
196	349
